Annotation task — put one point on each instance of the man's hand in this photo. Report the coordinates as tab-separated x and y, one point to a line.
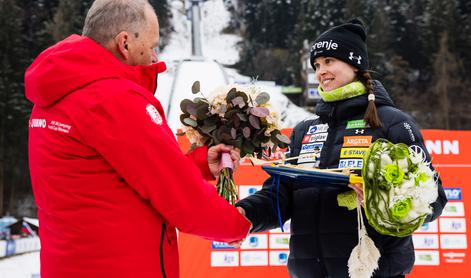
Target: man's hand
214	157
238	243
358	187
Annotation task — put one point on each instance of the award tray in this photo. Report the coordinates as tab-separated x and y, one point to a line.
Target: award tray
308	177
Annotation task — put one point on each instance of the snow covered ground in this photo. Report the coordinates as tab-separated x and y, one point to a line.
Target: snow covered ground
20	266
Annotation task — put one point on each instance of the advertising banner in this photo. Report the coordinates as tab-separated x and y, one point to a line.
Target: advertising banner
441	246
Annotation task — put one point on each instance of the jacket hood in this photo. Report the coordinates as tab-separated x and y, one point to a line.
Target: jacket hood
348	108
75	62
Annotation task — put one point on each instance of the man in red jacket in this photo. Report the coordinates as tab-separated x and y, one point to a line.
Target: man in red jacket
109	179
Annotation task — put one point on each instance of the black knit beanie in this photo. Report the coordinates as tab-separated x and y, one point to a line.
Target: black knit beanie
346	42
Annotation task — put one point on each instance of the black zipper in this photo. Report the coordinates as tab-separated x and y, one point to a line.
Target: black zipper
162	235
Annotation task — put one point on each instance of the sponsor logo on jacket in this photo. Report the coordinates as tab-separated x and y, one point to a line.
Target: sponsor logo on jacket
357	141
350	163
319	137
37	123
352	152
312	147
313	129
356	124
154	114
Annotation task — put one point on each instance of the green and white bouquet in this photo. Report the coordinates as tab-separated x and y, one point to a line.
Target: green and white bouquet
237	116
399	187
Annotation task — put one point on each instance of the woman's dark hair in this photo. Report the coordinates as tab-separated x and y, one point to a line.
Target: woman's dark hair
371	114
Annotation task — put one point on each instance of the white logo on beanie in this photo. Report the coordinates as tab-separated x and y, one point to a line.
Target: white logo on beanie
358	58
328	45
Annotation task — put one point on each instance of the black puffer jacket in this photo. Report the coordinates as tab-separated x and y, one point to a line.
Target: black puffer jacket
322	233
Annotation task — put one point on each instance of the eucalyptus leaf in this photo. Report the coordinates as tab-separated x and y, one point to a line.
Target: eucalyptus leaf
190	122
260	112
242	117
246	132
254	121
184	105
231	95
283	138
195	88
208	128
262	98
233	133
238	101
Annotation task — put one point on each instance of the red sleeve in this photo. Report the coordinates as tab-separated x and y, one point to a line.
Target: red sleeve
200	157
143	150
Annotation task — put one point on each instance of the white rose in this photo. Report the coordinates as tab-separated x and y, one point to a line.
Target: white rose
385	160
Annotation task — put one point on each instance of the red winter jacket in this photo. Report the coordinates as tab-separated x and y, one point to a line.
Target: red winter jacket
109	179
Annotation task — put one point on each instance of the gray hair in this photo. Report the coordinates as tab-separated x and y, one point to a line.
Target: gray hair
106	18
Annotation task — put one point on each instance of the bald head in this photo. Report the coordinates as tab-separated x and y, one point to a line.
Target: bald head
107	18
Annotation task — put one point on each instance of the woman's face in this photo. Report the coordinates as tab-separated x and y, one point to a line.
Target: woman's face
333	73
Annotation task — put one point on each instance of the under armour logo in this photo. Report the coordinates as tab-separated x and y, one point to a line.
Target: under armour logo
358	58
359	131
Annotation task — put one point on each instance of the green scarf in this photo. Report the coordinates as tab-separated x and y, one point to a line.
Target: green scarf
350	90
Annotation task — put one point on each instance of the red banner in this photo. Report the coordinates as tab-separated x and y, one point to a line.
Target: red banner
441	246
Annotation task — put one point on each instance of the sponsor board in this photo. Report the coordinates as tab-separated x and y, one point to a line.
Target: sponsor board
428	257
224	259
247	190
279	257
357	141
352	152
254	258
425	241
255	241
453	194
454	257
430	227
453	242
443	147
280	241
350	163
453	209
452	225
220	245
313	129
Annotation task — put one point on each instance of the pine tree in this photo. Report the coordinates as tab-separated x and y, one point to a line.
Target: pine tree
447	73
67	20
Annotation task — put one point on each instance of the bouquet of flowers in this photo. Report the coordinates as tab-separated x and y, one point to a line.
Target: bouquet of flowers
399	187
236	116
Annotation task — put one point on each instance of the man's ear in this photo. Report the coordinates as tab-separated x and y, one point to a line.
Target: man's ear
122	45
